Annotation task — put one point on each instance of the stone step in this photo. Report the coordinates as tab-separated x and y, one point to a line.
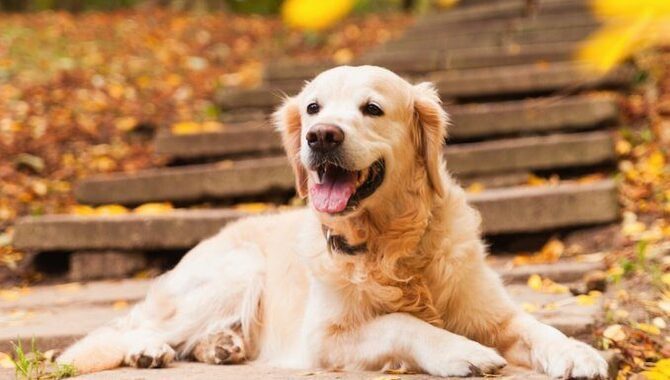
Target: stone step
468	122
442	42
259	176
508	210
521	80
505	9
576	18
292	75
503	81
56	315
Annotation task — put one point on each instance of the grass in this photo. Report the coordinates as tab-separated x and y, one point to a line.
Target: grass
35	365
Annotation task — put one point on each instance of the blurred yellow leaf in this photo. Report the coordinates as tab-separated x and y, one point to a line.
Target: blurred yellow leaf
588	299
82	210
550	253
648	328
126	124
6	361
666	278
186	128
153	208
660	370
253	207
343	56
10	294
315	15
630	27
446	4
120	305
535	282
475	187
111	210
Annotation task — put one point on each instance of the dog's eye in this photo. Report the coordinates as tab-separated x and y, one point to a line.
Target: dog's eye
313	108
372	109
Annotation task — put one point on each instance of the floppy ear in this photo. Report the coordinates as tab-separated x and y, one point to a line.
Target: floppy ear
286	120
431	120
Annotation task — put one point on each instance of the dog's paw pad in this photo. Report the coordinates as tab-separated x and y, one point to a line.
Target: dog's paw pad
154	357
224	347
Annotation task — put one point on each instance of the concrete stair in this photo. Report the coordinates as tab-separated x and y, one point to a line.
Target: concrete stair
505	210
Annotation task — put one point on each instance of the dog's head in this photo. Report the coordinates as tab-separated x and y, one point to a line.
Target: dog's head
355	133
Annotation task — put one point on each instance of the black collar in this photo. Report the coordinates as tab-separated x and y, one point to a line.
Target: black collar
339	244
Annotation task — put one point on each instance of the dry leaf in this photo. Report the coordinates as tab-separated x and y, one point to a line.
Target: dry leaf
648	328
153	208
120	305
6	361
253	207
108	210
475	187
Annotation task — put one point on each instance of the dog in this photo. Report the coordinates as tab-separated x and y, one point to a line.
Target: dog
385	269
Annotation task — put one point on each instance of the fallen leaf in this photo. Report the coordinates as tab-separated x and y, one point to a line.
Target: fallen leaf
253	207
120	305
475	187
153	208
6	361
111	210
648	328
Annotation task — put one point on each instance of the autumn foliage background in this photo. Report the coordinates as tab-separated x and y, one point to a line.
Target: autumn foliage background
83	93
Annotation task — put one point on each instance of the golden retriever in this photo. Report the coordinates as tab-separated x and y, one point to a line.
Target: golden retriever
385	268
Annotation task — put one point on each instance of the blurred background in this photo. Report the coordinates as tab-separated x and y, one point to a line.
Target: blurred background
132	129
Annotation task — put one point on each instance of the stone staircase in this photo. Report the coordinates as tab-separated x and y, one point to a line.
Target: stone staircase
519	107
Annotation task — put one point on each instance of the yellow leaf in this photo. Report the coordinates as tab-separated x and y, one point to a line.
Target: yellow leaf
186	128
587	299
446	4
126	124
254	207
475	187
666	278
343	56
120	305
623	147
10	294
111	210
6	361
615	333
315	15
534	180
535	282
549	253
82	210
153	208
648	328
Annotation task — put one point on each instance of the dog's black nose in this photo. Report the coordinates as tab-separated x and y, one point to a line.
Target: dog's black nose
324	137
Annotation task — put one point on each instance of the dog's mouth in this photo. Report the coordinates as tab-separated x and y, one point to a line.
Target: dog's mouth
337	190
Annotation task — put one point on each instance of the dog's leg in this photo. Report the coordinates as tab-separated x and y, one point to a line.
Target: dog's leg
400	337
489	316
528	342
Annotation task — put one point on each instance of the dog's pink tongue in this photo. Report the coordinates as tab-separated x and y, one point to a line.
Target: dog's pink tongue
332	195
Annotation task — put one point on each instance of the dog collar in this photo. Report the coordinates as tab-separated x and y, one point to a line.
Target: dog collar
339	244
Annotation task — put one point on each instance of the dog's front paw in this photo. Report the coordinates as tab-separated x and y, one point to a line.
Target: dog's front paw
158	356
569	359
469	359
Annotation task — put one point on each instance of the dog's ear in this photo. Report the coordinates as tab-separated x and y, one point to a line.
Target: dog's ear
286	120
432	121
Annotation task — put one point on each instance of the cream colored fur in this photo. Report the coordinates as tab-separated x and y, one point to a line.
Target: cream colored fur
421	298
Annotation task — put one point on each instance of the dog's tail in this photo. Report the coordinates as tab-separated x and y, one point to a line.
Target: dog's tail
102	349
